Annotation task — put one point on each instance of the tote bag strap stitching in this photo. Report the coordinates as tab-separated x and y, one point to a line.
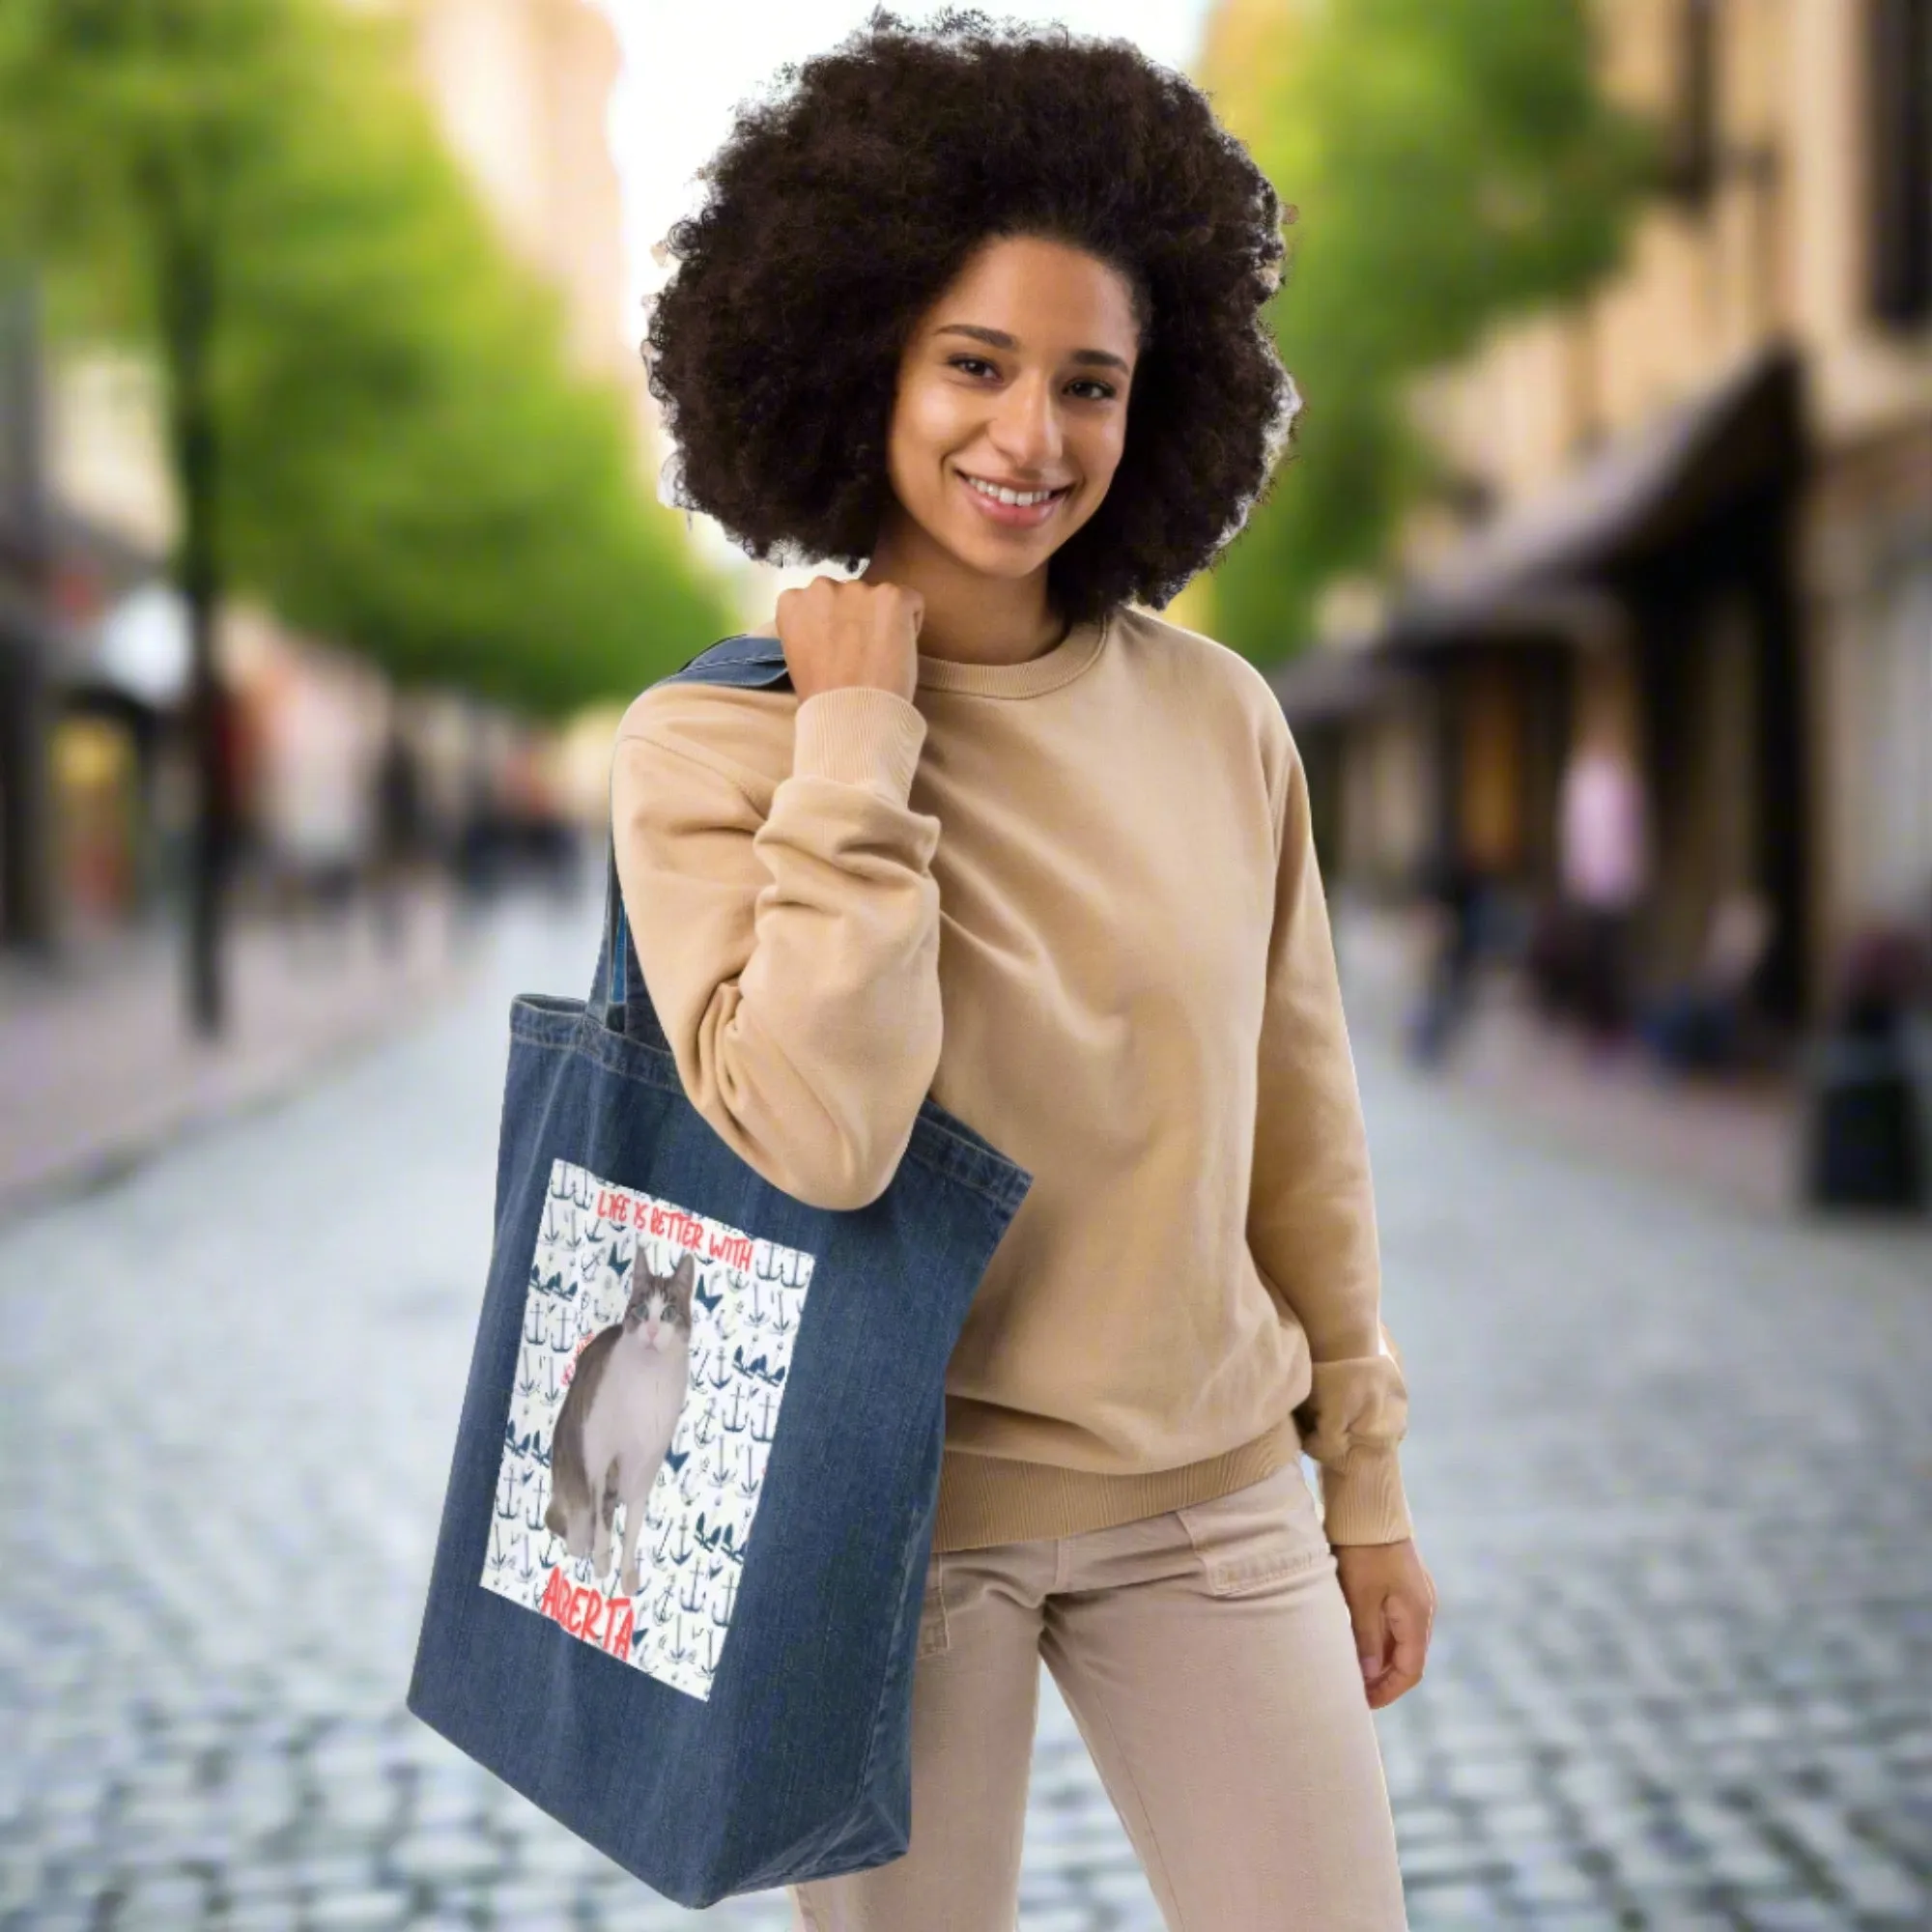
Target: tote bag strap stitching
1002	1190
882	1708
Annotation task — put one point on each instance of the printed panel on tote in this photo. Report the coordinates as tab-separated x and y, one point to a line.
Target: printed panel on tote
656	1344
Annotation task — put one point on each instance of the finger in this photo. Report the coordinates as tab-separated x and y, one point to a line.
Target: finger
1410	1630
1386	1688
1371	1645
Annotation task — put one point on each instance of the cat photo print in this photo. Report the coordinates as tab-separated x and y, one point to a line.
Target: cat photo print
649	1386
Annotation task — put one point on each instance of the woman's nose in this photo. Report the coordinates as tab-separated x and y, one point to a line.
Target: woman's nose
1026	429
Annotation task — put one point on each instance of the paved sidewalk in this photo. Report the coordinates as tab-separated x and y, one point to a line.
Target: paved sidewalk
1671	1464
99	1066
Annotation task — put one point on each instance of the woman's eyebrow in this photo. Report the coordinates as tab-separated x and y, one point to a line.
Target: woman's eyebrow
1000	339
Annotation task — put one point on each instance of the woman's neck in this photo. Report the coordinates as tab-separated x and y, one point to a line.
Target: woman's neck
970	617
976	637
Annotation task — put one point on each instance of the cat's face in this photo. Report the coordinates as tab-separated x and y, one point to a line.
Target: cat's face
661	1304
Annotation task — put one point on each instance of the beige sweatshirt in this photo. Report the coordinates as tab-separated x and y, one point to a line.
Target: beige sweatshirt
1076	900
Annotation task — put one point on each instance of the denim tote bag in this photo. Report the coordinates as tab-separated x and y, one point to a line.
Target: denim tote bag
676	1592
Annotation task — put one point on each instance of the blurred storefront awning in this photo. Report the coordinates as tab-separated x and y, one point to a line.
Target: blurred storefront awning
1543	572
101	617
1322	687
58	587
141	650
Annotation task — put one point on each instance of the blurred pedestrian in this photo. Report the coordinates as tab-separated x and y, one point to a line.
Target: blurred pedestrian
1604	871
479	838
1704	1025
953	288
398	844
1456	895
317	812
1865	1142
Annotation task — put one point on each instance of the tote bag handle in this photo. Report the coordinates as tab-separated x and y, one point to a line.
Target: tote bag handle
617	980
741	661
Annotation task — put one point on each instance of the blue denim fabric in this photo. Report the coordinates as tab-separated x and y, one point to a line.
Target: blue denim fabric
707	1756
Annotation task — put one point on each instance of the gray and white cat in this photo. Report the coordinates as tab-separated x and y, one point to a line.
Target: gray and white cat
618	1417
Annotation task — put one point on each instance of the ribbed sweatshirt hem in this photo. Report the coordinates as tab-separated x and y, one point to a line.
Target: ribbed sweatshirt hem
989	1499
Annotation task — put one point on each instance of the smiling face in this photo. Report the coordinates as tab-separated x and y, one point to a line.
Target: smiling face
1018	374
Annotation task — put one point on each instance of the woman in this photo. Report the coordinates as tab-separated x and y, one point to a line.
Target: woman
981	309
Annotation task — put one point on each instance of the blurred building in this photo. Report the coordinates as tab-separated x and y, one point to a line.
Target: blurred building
1690	525
92	665
95	793
26	642
523	91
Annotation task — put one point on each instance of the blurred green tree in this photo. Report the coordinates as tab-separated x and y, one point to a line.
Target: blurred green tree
1450	162
370	419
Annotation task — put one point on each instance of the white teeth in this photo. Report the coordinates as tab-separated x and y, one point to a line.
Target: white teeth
1008	496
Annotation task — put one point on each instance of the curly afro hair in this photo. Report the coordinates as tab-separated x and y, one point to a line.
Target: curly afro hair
839	212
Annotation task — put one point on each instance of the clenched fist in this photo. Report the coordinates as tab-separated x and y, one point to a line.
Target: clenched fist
836	634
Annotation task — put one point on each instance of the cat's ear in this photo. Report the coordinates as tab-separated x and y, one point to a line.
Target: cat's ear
685	1277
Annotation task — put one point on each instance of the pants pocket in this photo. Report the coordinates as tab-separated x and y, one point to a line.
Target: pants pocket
1252	1537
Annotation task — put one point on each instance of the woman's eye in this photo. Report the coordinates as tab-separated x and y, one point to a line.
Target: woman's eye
971	362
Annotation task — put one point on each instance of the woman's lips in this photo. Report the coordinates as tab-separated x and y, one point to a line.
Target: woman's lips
1013	516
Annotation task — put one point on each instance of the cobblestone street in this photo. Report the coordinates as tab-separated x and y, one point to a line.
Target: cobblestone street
1671	1468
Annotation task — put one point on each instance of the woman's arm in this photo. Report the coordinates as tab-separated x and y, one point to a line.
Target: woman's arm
1312	1218
792	954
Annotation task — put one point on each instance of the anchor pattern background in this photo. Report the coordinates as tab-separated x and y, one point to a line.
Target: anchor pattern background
698	1523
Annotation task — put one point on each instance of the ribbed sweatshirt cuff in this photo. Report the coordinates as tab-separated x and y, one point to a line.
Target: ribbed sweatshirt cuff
859	735
1363	1501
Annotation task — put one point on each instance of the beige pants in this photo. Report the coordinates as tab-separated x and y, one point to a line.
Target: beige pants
1207	1657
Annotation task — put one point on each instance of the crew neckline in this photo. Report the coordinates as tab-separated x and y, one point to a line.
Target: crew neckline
1028	678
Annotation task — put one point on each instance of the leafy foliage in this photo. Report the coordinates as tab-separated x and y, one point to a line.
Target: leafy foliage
392	450
1452	164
